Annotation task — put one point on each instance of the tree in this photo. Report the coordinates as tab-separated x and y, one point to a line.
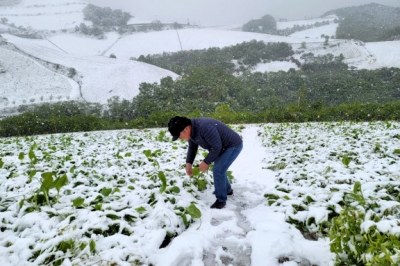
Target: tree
265	24
302	97
84	29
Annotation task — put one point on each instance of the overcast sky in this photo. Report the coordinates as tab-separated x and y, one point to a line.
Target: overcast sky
223	12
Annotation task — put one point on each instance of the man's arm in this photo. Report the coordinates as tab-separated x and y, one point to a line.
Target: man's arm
191	155
191	152
211	135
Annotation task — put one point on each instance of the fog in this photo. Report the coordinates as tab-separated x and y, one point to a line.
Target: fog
223	12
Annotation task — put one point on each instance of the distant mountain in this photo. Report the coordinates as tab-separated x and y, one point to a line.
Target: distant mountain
368	23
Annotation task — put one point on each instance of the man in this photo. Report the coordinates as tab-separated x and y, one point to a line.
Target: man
223	144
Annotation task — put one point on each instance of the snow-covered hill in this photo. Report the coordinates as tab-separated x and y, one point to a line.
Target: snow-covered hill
45	15
37	70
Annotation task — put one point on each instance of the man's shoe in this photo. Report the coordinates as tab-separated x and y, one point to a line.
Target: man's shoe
230	193
218	205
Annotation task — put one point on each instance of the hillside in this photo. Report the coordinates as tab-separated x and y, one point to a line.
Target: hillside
368	23
65	65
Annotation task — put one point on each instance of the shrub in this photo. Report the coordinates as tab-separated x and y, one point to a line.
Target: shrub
355	238
71	72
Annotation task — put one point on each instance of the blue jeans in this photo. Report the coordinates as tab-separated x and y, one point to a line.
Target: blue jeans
221	165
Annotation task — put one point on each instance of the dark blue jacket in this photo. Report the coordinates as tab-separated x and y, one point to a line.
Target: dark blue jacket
212	135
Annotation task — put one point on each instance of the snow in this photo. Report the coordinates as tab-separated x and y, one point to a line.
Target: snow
315	33
82	45
290	24
249	231
188	39
99	77
20	87
45	15
274	66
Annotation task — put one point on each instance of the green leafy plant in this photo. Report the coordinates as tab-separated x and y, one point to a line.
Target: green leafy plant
47	184
163	179
194	213
78	202
353	243
200	180
346	160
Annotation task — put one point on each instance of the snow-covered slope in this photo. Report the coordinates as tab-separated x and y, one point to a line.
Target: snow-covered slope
45	14
189	39
100	77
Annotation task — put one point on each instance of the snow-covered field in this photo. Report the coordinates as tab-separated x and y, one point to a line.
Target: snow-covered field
121	192
45	15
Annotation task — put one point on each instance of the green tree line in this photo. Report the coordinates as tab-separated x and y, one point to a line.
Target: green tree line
246	54
32	123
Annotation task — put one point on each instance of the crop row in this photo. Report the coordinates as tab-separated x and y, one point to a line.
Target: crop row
80	197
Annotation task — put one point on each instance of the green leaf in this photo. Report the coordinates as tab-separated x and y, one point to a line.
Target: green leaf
163	179
47	181
309	199
147	153
357	187
82	246
118	156
131	187
201	184
72	169
92	246
32	155
396	151
21	156
113	216
193	211
21	203
98	206
1	163
346	161
98	199
78	202
106	191
31	174
141	210
77	184
196	171
184	218
60	182
175	189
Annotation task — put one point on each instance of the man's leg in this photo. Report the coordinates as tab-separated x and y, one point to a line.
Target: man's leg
221	165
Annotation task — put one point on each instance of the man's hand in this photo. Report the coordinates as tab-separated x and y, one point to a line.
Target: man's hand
189	171
203	166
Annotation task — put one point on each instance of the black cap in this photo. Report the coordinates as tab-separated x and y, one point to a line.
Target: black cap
176	125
